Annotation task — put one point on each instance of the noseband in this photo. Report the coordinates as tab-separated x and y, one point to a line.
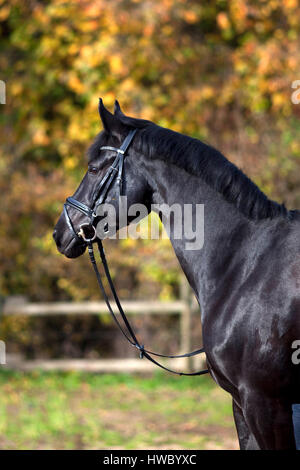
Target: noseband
87	235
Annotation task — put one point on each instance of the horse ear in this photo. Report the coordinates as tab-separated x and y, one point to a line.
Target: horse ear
118	110
107	118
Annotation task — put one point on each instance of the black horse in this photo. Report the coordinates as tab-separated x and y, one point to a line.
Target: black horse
246	277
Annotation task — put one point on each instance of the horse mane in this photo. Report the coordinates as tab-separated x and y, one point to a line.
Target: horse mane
200	159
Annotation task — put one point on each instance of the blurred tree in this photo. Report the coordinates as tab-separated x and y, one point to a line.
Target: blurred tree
219	71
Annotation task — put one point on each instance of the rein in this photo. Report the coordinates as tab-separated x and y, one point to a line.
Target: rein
91	238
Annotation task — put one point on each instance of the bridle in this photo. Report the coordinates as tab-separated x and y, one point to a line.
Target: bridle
115	170
99	196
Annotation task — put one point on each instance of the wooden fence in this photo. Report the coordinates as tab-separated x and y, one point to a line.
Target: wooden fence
185	307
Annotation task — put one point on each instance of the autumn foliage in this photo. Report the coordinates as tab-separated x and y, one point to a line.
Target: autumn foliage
220	71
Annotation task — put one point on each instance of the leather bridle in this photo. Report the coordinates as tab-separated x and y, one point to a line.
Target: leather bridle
99	196
88	239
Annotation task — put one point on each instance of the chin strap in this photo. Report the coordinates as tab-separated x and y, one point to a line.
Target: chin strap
128	331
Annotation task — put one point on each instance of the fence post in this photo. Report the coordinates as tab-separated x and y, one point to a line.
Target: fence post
186	321
2	92
2	353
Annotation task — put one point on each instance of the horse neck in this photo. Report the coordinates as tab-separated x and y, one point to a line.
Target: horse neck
225	229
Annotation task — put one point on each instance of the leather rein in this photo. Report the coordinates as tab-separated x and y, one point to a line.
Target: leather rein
87	235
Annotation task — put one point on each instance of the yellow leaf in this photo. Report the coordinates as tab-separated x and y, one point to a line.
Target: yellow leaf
291	3
70	163
222	20
190	16
4	13
40	138
115	63
75	84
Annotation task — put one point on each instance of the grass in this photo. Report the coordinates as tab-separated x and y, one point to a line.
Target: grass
51	410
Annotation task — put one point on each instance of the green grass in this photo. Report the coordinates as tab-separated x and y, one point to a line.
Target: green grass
51	410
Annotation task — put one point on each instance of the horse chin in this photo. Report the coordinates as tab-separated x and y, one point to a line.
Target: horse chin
73	249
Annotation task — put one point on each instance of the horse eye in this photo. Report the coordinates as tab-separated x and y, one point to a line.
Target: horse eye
93	170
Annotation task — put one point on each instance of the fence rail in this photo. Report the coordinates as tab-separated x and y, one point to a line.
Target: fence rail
184	307
12	307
